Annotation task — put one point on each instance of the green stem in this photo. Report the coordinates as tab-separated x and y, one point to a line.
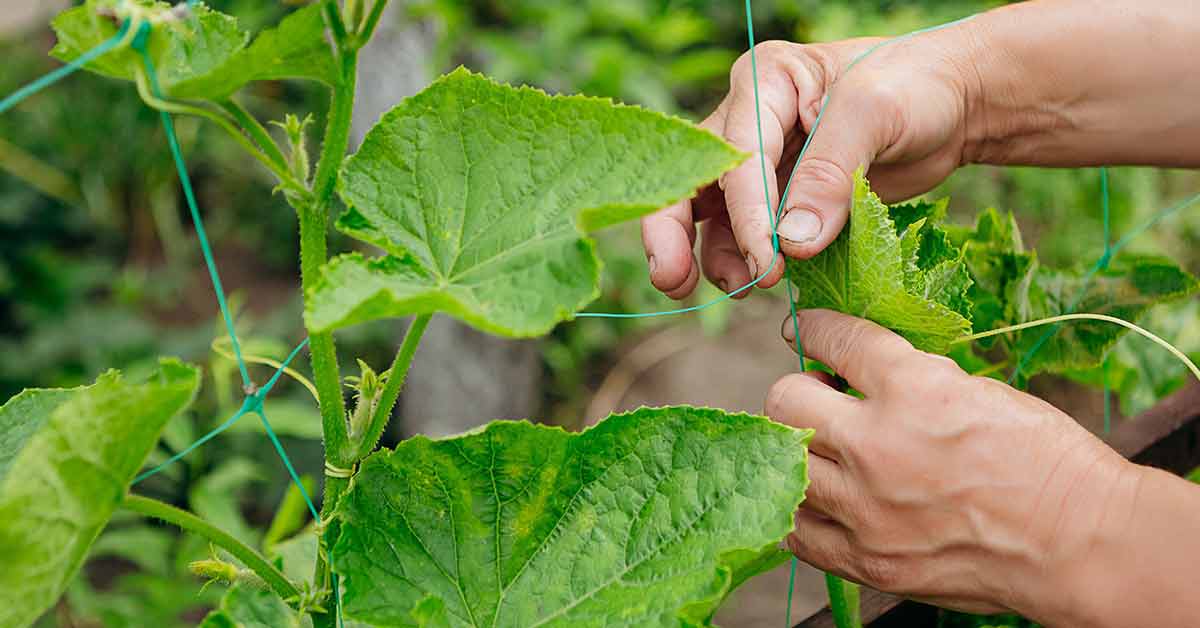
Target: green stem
314	218
371	22
843	601
191	523
334	17
391	390
351	11
46	178
256	131
281	172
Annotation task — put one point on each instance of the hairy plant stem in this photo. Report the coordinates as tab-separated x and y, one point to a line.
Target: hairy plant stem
372	21
843	602
397	373
191	523
314	221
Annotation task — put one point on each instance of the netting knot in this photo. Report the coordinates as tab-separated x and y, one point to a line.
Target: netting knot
253	403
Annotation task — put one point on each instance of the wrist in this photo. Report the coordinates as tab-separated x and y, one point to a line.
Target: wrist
1076	562
1087	572
1083	83
1012	106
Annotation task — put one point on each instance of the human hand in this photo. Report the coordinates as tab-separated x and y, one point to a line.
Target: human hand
953	489
901	112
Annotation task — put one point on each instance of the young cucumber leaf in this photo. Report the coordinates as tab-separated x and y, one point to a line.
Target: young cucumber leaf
1011	287
1125	290
481	193
204	56
72	451
244	606
895	267
644	520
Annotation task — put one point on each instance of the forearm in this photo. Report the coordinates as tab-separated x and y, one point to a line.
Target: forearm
1085	82
1139	565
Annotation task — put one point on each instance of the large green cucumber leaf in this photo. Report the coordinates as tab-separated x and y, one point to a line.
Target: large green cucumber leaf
481	194
645	519
893	266
66	459
204	56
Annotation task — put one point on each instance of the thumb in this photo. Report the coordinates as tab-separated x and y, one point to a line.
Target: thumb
848	137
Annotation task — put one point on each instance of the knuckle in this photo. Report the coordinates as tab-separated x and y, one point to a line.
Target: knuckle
776	403
881	572
795	543
943	372
853	340
935	374
824	172
881	93
769	56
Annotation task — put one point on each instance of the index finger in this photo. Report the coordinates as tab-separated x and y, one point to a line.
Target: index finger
751	189
857	349
669	235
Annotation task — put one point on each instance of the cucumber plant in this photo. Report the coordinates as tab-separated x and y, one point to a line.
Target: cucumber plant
479	198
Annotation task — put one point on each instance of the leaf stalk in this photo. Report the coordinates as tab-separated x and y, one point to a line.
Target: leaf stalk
191	523
395	382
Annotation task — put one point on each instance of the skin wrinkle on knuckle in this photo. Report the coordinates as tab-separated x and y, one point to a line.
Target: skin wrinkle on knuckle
845	342
776	396
821	172
881	573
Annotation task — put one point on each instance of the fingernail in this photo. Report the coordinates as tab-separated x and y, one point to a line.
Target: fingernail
653	264
788	330
723	285
752	266
799	225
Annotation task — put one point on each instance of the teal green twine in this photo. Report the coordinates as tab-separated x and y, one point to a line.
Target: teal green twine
791	590
252	403
139	44
12	100
287	462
